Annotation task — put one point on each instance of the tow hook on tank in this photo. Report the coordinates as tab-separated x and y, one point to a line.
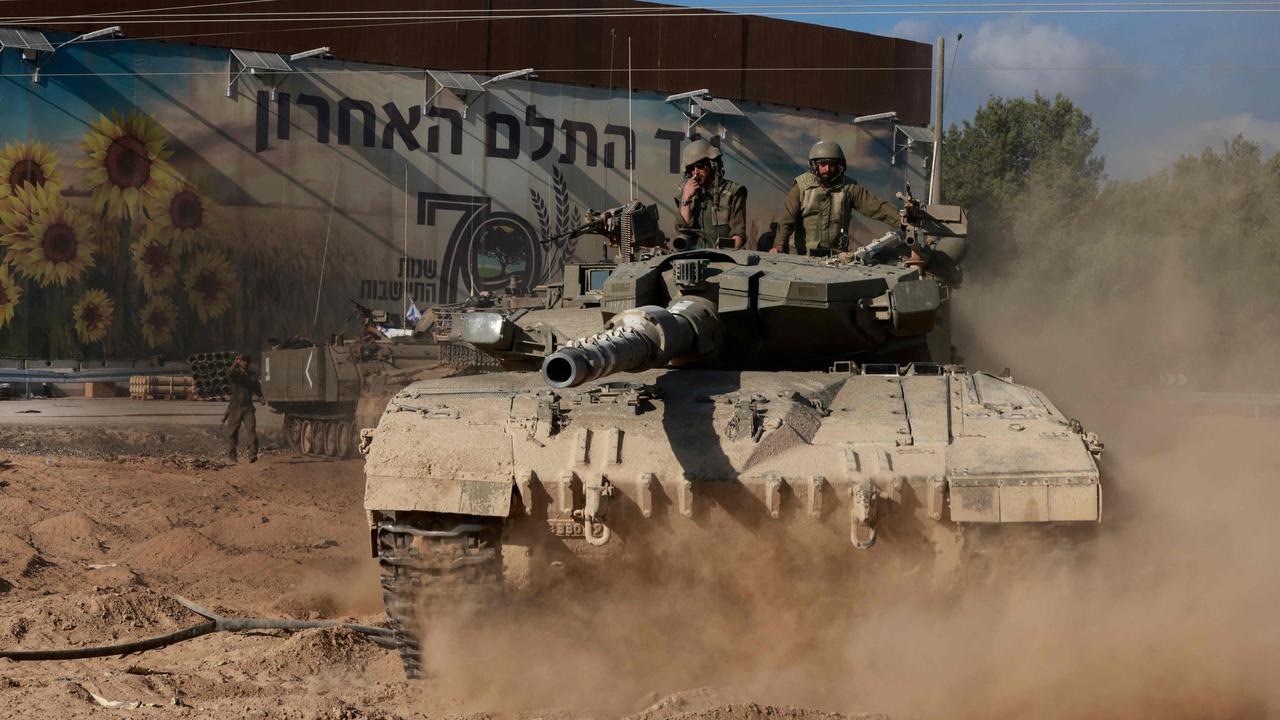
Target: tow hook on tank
595	509
366	439
863	513
1091	440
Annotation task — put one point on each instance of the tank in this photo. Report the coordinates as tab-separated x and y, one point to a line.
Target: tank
812	399
329	390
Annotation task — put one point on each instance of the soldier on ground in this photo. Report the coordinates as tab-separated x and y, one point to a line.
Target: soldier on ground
821	202
244	386
711	209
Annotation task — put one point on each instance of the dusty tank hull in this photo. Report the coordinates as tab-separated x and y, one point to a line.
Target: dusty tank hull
329	392
895	457
717	398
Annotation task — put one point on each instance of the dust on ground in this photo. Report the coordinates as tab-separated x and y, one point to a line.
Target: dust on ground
93	551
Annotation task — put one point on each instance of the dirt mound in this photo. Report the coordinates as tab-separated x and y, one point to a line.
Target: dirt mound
177	548
753	711
312	652
74	536
18	560
20	512
92	617
707	703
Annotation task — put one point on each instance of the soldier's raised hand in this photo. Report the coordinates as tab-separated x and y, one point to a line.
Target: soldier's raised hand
690	188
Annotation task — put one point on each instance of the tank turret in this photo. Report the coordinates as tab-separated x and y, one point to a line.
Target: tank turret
727	309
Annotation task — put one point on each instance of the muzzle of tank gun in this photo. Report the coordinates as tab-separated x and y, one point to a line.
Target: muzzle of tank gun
638	339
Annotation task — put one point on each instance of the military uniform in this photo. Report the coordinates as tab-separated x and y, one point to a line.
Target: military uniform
244	386
818	217
717	214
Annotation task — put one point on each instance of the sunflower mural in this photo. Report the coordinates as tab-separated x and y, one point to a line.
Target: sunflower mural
10	294
126	163
20	207
57	247
159	317
154	261
184	215
93	315
31	164
210	283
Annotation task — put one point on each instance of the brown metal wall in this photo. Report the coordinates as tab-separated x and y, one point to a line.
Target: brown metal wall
736	52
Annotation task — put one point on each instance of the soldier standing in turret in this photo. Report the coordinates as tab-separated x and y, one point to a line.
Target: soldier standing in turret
821	202
244	386
711	209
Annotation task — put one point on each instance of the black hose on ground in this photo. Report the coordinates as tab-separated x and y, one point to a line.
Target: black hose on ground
217	623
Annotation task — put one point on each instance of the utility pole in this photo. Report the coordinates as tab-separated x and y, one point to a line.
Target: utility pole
935	162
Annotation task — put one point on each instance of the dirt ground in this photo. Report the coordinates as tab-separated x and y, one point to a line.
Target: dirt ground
92	552
1170	613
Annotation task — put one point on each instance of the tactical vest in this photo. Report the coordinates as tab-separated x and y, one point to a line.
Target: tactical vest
710	211
824	212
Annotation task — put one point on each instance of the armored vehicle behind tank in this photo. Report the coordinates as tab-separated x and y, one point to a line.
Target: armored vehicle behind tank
328	391
809	398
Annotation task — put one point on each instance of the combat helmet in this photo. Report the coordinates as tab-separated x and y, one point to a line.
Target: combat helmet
826	150
696	152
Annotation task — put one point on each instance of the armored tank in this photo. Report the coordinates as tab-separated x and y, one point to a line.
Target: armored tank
814	398
329	390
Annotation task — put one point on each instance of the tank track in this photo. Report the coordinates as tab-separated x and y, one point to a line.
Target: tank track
336	437
432	567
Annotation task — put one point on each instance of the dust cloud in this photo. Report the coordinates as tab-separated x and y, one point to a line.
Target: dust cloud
1168	611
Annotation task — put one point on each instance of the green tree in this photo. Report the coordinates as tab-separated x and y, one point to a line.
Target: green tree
1016	144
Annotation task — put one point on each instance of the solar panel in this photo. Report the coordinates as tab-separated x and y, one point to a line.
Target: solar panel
916	133
456	81
717	106
24	39
254	60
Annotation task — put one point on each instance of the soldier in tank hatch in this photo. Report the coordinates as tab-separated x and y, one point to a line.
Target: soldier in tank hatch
711	209
816	213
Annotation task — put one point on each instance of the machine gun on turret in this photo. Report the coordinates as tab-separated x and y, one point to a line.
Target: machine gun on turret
628	226
370	320
934	235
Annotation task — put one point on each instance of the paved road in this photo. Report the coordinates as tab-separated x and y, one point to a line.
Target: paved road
122	412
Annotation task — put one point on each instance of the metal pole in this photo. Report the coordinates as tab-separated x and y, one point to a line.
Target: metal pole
935	162
404	268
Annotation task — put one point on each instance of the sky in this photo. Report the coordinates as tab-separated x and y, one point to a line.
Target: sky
1157	85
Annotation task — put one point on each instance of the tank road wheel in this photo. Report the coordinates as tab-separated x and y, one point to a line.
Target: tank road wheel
346	431
293	432
444	564
331	438
307	438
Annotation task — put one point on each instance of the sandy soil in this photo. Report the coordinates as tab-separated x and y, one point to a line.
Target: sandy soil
93	550
1169	614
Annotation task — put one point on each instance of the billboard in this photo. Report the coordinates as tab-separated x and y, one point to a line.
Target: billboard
154	199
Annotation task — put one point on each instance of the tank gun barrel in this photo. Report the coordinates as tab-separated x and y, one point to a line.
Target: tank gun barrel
638	339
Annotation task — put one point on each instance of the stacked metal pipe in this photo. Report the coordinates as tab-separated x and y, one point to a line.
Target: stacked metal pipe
161	387
209	372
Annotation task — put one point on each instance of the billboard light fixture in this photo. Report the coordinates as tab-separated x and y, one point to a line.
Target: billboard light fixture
527	73
702	104
42	57
324	53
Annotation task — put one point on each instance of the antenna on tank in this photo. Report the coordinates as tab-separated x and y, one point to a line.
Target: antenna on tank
630	162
